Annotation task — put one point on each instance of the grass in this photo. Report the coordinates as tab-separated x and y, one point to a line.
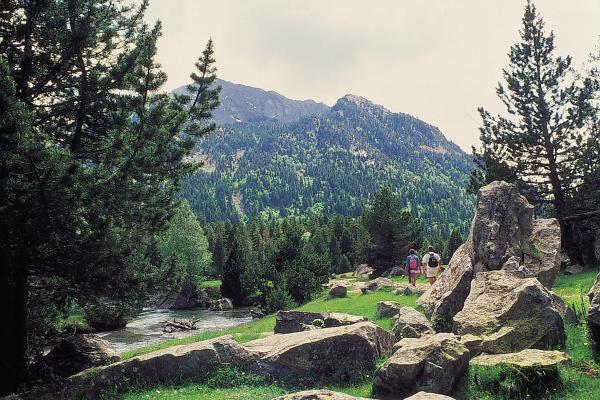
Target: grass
214	283
576	384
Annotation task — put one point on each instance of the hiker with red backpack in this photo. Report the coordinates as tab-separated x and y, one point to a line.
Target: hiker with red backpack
412	266
433	262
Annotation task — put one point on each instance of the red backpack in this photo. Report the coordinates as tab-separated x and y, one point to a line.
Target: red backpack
413	263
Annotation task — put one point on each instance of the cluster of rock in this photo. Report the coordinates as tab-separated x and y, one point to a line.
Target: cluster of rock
298	321
496	286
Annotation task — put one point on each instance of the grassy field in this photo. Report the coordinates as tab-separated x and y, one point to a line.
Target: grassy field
577	385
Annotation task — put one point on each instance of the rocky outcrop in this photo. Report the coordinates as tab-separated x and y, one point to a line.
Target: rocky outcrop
503	236
184	362
341	354
432	364
223	304
363	271
409	323
387	309
318	395
76	353
376	284
298	321
338	291
510	314
593	313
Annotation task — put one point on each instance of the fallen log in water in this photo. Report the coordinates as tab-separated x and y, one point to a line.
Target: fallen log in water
179	325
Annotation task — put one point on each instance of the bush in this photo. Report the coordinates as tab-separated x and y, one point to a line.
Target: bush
279	299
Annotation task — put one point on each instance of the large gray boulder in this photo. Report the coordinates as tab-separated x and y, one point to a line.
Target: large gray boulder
593	313
409	323
337	291
76	353
185	362
363	271
298	321
318	395
503	236
432	364
223	304
341	354
510	314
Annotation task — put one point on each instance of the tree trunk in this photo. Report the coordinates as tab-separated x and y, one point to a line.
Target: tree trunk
13	332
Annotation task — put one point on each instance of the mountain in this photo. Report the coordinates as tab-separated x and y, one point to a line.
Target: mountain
331	162
240	103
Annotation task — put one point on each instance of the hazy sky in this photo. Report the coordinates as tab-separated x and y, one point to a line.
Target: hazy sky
435	59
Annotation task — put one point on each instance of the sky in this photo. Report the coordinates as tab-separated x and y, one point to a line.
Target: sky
438	60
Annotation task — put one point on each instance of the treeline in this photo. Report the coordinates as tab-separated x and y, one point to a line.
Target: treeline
279	263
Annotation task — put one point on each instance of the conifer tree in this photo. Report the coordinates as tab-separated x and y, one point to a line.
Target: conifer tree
541	136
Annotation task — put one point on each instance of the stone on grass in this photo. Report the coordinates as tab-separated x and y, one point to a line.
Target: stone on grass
376	284
338	291
298	321
332	320
432	364
76	353
510	314
177	363
363	271
528	358
341	354
409	323
394	271
387	309
593	313
318	395
574	269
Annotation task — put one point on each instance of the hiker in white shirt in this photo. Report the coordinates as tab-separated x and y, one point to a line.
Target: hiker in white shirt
433	263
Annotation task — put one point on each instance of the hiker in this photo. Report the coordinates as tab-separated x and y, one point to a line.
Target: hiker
433	262
412	266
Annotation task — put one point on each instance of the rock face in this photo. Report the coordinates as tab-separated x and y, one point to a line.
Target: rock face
593	313
503	236
164	366
76	353
510	314
387	309
363	271
431	364
318	395
341	354
376	284
298	321
223	304
338	291
409	323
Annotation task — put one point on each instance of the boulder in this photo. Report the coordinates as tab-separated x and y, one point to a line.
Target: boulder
376	284
338	291
432	364
318	395
542	258
387	309
257	313
593	313
177	363
409	323
573	269
503	236
510	314
298	321
567	314
187	297
473	343
531	372
416	290
363	271
76	353
341	354
394	271
223	304
428	396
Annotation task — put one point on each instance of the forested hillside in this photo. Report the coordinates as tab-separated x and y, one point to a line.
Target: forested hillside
331	163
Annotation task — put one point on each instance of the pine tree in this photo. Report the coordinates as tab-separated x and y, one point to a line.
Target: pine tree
240	258
540	137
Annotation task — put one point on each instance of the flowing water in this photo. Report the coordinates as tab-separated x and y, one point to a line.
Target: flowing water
146	328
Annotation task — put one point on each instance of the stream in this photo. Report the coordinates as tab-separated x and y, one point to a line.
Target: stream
146	328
